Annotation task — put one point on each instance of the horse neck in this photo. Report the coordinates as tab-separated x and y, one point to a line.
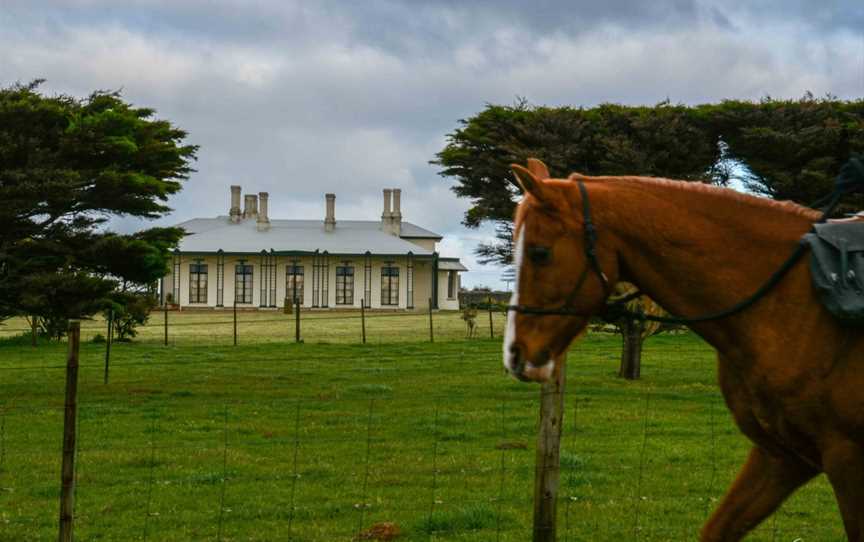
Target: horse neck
700	250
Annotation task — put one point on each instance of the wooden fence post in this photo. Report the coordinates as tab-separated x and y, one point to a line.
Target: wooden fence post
235	321
631	353
491	328
34	329
165	312
431	329
296	320
363	319
70	416
547	468
108	341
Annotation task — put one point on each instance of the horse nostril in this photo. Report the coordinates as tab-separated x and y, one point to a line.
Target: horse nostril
517	364
516	361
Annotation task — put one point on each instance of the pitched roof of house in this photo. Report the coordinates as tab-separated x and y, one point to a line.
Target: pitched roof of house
209	235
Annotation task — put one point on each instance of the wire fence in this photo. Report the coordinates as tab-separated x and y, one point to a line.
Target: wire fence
351	442
315	326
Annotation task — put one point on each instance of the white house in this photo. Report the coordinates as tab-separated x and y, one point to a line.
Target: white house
259	262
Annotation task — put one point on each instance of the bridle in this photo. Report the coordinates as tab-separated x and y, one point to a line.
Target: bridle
593	265
616	309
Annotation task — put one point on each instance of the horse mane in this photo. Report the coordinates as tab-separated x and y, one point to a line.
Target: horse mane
696	187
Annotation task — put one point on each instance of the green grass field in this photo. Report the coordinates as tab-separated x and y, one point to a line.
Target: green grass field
272	440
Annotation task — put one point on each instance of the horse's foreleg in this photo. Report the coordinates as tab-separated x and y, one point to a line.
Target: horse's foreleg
844	464
763	483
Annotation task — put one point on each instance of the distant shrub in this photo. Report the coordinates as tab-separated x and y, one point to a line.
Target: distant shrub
22	339
131	309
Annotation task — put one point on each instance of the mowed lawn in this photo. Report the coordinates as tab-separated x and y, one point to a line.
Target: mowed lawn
272	440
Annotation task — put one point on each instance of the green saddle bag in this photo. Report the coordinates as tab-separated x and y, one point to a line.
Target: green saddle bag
837	268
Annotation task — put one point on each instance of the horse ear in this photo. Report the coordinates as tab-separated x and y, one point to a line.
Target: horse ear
538	168
528	181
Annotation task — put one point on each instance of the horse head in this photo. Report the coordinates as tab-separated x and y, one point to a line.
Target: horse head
563	272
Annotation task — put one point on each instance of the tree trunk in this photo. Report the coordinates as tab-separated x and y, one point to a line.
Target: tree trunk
631	353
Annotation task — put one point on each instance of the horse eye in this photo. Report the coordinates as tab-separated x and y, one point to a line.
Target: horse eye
539	255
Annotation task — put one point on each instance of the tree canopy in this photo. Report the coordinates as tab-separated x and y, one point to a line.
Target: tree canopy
67	165
792	150
785	149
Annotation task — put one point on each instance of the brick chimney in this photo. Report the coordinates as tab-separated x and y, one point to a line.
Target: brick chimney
396	215
330	216
234	212
250	206
263	219
391	220
386	215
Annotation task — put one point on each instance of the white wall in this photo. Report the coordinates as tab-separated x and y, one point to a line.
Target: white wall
422	281
444	302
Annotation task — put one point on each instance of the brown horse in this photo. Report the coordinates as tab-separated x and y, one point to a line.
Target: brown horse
791	375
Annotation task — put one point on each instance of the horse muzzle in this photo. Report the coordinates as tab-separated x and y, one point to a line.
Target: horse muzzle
527	371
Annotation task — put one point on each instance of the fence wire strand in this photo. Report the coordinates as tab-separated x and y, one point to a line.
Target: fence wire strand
295	475
365	492
224	476
2	445
434	484
147	509
713	461
502	468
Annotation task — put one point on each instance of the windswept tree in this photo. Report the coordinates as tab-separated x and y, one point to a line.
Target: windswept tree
791	149
665	141
67	165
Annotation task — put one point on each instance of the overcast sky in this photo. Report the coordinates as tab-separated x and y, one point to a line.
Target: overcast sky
303	98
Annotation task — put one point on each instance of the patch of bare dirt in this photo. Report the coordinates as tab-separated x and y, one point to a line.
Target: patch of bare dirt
511	446
380	531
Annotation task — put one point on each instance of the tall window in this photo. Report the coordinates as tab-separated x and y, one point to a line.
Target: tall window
452	284
243	283
315	281
267	279
344	284
198	282
409	282
294	283
176	278
324	275
220	278
389	284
